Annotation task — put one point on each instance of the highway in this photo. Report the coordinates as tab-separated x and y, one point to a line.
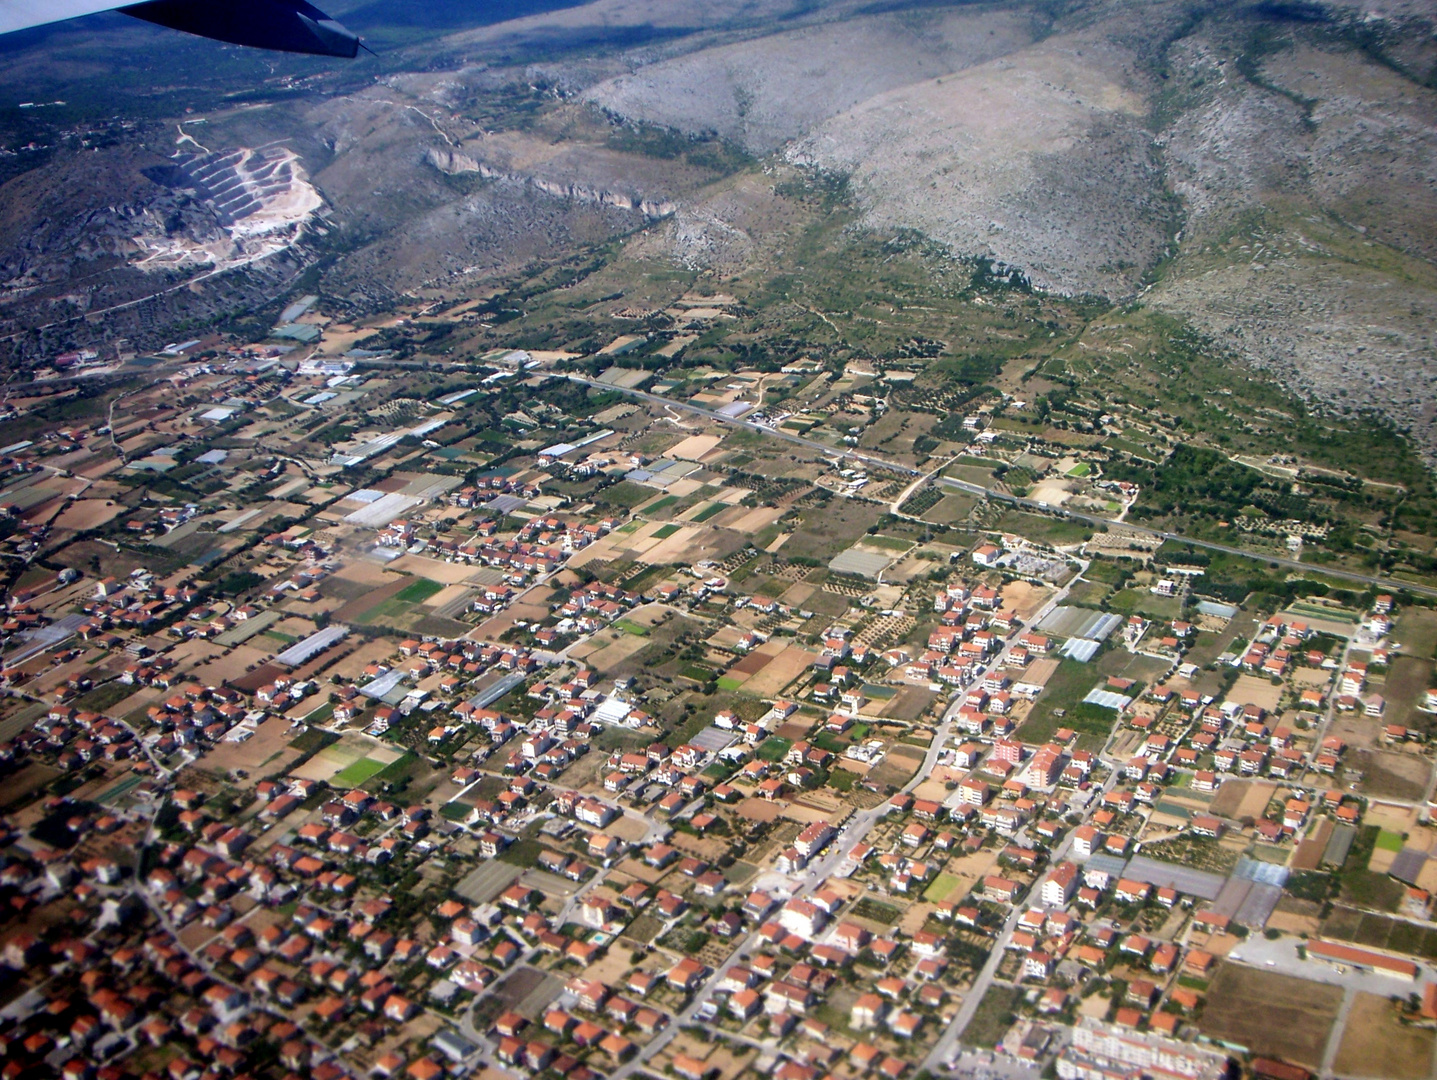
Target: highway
1094	519
1003	496
786	436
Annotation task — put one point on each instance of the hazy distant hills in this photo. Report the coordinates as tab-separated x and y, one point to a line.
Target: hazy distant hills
1265	170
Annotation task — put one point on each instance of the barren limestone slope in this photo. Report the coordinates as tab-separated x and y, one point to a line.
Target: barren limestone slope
1311	225
1039	160
396	169
764	92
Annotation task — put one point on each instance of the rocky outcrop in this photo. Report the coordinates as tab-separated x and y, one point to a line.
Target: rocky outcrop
453	163
450	162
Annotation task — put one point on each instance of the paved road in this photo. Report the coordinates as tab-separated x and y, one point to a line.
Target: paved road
948	1042
481	1039
1208	545
818	871
1000	661
854	833
1334	1036
1281	956
991	493
893	507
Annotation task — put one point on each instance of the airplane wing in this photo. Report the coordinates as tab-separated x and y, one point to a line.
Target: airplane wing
283	25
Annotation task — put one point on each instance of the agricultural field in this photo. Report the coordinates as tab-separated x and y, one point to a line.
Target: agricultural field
637	344
1061	705
1381	932
1270	1014
357	772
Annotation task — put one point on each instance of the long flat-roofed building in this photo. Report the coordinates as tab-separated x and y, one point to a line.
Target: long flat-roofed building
1101	1051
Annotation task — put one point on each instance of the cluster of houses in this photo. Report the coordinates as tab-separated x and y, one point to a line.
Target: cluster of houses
971	629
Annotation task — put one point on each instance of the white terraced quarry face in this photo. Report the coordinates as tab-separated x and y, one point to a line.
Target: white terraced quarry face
260	198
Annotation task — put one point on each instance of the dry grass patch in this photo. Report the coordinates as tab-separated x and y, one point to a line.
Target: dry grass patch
1376	1044
1271	1014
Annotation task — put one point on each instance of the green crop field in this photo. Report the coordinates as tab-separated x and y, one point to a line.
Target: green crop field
887	543
773	748
666	531
418	591
1389	841
357	772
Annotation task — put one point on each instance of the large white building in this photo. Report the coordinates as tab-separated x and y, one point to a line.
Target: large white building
1101	1051
802	917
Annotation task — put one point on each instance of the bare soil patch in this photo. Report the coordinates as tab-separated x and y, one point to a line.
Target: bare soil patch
268	747
1296	916
694	447
611	648
372	597
1242	798
1355	731
1404	687
898	766
1250	690
751	664
88	514
1376	1044
1025	598
1392	775
755	520
445	573
1271	1014
782	670
909	703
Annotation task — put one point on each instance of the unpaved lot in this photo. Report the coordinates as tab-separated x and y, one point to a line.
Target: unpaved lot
88	514
1391	774
1242	798
1376	1044
1250	690
778	673
267	748
1270	1014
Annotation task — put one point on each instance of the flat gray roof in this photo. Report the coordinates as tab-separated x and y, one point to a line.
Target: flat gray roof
713	739
1339	844
1080	622
1112	864
505	504
379	687
1185	879
1264	873
245	629
1107	699
1408	865
867	564
313	645
495	691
